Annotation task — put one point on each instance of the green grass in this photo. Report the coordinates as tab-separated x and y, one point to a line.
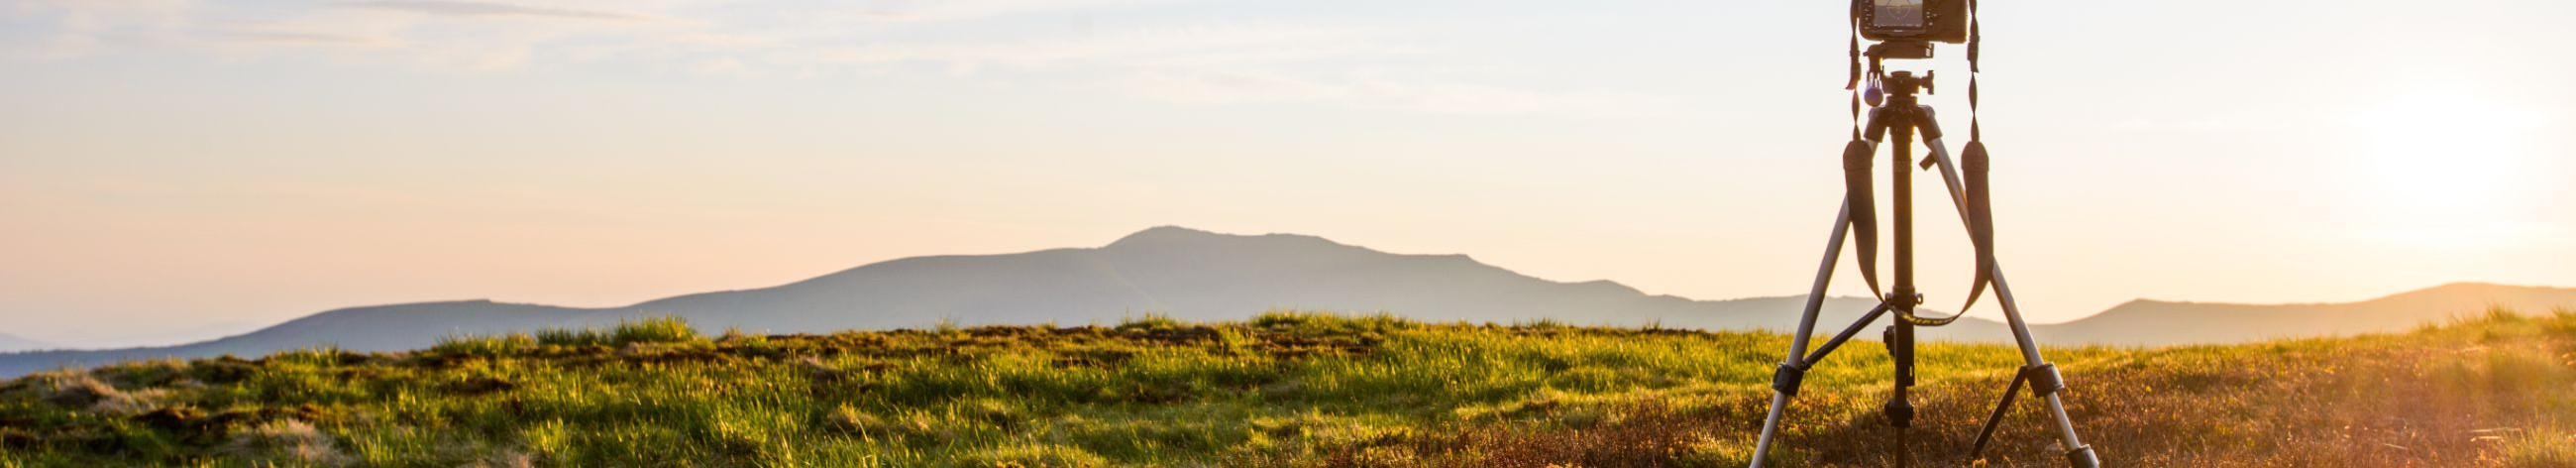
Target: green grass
649	330
1288	389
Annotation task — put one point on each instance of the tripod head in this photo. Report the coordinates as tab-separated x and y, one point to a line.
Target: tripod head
1878	54
1900	50
1904	83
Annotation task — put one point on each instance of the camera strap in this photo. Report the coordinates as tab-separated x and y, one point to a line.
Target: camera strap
1852	81
1975	134
1975	162
1861	211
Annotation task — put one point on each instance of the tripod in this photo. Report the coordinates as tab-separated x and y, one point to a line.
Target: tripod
1903	117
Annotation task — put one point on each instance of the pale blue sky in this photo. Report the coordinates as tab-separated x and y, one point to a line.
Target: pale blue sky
171	165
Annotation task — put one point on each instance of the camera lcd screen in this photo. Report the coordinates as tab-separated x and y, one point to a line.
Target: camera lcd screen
1896	13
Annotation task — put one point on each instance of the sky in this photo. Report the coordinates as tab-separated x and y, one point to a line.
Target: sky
179	169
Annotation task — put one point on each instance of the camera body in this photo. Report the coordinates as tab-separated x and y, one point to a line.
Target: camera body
1913	20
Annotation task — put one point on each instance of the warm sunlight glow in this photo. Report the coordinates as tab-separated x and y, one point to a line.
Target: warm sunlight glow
2443	163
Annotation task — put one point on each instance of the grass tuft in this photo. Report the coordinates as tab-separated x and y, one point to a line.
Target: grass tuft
485	346
667	329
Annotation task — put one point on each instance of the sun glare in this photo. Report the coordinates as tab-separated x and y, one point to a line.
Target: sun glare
2445	166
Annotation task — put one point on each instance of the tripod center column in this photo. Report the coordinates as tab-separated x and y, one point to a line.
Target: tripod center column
1903	112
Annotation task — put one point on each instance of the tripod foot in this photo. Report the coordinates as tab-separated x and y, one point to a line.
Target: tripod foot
2083	458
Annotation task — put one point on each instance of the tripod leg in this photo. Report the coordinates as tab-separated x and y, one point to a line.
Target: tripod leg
1798	342
1978	451
2077	453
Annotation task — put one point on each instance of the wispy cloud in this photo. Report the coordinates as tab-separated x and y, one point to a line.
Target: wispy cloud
1372	91
485	9
286	37
960	10
1275	64
81	28
1197	60
1141	47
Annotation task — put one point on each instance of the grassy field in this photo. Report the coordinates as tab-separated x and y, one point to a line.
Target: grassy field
1290	389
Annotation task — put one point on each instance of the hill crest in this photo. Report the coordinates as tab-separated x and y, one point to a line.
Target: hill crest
1197	275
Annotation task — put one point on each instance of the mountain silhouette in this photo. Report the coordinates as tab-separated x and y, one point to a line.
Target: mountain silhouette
2148	322
1187	274
1202	276
13	343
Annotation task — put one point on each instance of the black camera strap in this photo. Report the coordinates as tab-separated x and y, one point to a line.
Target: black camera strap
1857	190
1975	162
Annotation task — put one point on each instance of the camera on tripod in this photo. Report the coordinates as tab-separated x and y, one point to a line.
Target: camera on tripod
1906	29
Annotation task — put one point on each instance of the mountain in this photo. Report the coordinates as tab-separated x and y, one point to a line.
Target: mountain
1190	275
13	343
379	328
1186	274
2147	322
1202	276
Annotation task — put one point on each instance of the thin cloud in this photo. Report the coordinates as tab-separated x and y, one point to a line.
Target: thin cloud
1191	62
1424	94
483	9
1192	46
963	10
280	37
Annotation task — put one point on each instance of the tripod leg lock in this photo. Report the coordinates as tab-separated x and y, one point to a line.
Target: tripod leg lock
1900	351
1786	379
2044	379
2082	457
1900	414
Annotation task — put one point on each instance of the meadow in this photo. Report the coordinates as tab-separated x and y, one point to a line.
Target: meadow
1292	389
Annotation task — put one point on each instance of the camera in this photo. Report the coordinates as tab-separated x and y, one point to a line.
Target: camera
1912	20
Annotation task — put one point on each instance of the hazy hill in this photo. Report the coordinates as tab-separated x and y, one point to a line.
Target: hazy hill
2149	322
1187	274
1201	276
1192	275
13	343
378	328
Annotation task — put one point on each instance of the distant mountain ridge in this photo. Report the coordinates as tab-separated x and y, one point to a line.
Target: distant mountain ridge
1203	276
13	343
2151	322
